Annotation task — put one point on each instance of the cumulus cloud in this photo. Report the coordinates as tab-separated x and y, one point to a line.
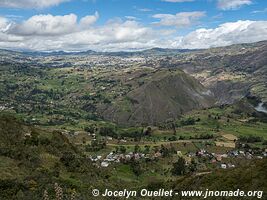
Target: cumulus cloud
3	24
226	34
30	3
182	19
88	20
49	25
46	25
47	32
232	4
52	33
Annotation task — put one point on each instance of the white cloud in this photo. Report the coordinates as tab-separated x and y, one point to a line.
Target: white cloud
259	11
232	4
49	25
178	1
113	36
131	18
67	33
46	25
30	3
144	9
3	24
226	34
182	19
47	32
88	20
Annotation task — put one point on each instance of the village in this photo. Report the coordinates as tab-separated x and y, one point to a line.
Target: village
228	154
219	159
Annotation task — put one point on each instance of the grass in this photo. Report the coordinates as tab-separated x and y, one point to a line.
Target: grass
9	169
243	129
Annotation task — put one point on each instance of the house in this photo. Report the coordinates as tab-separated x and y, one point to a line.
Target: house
109	138
223	166
248	155
224	155
235	153
200	153
219	158
136	156
94	159
104	164
158	154
179	153
190	154
213	161
231	166
27	135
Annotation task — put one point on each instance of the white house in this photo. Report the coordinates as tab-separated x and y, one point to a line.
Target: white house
104	164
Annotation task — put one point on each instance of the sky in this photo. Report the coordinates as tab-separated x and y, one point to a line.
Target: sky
129	25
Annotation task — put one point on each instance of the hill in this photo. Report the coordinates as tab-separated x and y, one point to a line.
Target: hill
230	72
247	178
33	160
165	95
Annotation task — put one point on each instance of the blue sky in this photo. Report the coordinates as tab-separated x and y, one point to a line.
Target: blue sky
172	23
109	9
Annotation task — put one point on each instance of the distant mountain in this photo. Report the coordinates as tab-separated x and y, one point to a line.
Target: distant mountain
148	52
57	53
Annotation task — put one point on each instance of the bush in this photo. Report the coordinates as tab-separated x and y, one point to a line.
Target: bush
179	167
250	139
188	121
108	131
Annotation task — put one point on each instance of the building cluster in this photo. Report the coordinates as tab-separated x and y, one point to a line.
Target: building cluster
105	161
221	159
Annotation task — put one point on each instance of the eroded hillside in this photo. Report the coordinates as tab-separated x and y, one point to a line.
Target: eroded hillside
164	95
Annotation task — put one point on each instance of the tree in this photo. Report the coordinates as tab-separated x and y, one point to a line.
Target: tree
173	128
188	121
193	166
116	149
136	168
148	131
84	140
108	131
147	149
136	148
164	151
179	167
122	149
